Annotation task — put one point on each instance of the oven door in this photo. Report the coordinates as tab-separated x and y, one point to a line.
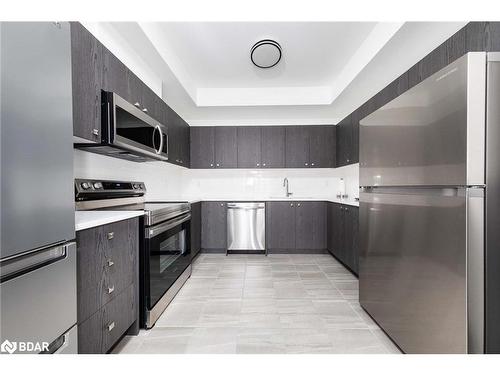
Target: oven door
129	128
168	254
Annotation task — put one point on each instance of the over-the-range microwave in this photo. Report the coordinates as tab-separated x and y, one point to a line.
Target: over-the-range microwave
128	133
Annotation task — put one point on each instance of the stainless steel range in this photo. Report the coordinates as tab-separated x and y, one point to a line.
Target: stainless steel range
165	254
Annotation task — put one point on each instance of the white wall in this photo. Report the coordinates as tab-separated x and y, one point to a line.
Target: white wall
163	180
268	183
169	182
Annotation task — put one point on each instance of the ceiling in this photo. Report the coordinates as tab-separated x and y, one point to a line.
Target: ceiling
327	69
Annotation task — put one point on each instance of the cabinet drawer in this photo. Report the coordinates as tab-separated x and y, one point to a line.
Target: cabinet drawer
102	330
107	259
122	242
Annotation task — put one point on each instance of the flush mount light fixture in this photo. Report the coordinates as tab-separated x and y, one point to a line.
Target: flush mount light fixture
265	53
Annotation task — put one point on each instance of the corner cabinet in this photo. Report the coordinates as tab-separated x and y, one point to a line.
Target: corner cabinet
343	234
107	284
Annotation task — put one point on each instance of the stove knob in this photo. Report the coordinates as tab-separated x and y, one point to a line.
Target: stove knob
136	186
97	185
85	185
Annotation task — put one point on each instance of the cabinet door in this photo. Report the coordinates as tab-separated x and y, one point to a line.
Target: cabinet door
174	137
195	229
322	146
87	77
354	216
348	238
330	227
355	118
226	149
273	147
297	147
202	147
280	225
92	272
214	225
338	231
116	76
249	147
310	226
344	142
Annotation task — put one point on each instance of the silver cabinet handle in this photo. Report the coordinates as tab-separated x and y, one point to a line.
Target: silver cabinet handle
95	131
291	204
111	290
222	204
348	160
218	164
258	164
298	204
306	164
211	164
264	164
110	262
137	104
145	110
111	326
312	164
111	235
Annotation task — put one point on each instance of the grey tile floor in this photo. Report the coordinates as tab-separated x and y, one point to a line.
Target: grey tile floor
258	304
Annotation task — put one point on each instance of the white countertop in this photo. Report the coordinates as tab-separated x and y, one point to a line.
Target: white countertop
91	219
348	202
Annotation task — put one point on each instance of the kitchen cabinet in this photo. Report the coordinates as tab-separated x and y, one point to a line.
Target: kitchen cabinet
87	77
310	225
249	147
214	225
202	147
293	226
322	146
178	139
107	283
195	229
280	225
343	234
272	147
226	147
344	142
296	147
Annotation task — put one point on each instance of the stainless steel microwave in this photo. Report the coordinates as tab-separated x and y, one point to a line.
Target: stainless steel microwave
128	133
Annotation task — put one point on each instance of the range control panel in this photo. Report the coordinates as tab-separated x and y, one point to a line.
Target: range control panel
102	189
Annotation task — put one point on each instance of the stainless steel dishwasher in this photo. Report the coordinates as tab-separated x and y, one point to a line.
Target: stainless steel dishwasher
246	227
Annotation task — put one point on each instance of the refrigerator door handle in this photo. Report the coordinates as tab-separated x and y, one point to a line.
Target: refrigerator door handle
19	265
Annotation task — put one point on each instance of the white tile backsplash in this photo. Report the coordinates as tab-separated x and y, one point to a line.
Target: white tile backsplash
169	182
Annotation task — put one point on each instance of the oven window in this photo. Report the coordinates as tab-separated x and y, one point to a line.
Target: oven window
169	255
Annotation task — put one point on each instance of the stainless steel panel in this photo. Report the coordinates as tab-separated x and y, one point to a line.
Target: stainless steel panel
151	232
433	134
413	263
475	270
153	314
246	226
40	305
36	136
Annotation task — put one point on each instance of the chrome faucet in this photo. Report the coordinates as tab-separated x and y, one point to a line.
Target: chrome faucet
287	189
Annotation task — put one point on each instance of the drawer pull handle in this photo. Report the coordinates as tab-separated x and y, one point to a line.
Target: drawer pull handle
111	235
111	290
111	326
110	263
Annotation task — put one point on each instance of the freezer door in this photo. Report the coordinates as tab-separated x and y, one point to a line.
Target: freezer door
36	136
433	134
415	247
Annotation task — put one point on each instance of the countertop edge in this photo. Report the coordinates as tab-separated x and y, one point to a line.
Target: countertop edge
91	219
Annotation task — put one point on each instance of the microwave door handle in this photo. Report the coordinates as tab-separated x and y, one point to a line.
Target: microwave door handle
161	139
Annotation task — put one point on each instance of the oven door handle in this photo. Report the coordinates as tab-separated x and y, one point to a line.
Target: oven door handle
159	229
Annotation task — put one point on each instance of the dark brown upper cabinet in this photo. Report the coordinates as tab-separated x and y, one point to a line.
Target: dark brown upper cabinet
272	147
202	147
87	76
249	147
226	147
310	146
178	139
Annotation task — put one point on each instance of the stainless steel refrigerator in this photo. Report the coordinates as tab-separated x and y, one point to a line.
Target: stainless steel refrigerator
424	178
37	257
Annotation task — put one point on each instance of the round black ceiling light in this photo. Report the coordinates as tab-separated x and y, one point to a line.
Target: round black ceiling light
265	53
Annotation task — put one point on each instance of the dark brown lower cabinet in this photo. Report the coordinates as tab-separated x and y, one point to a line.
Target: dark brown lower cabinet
213	225
343	234
195	228
107	284
296	227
